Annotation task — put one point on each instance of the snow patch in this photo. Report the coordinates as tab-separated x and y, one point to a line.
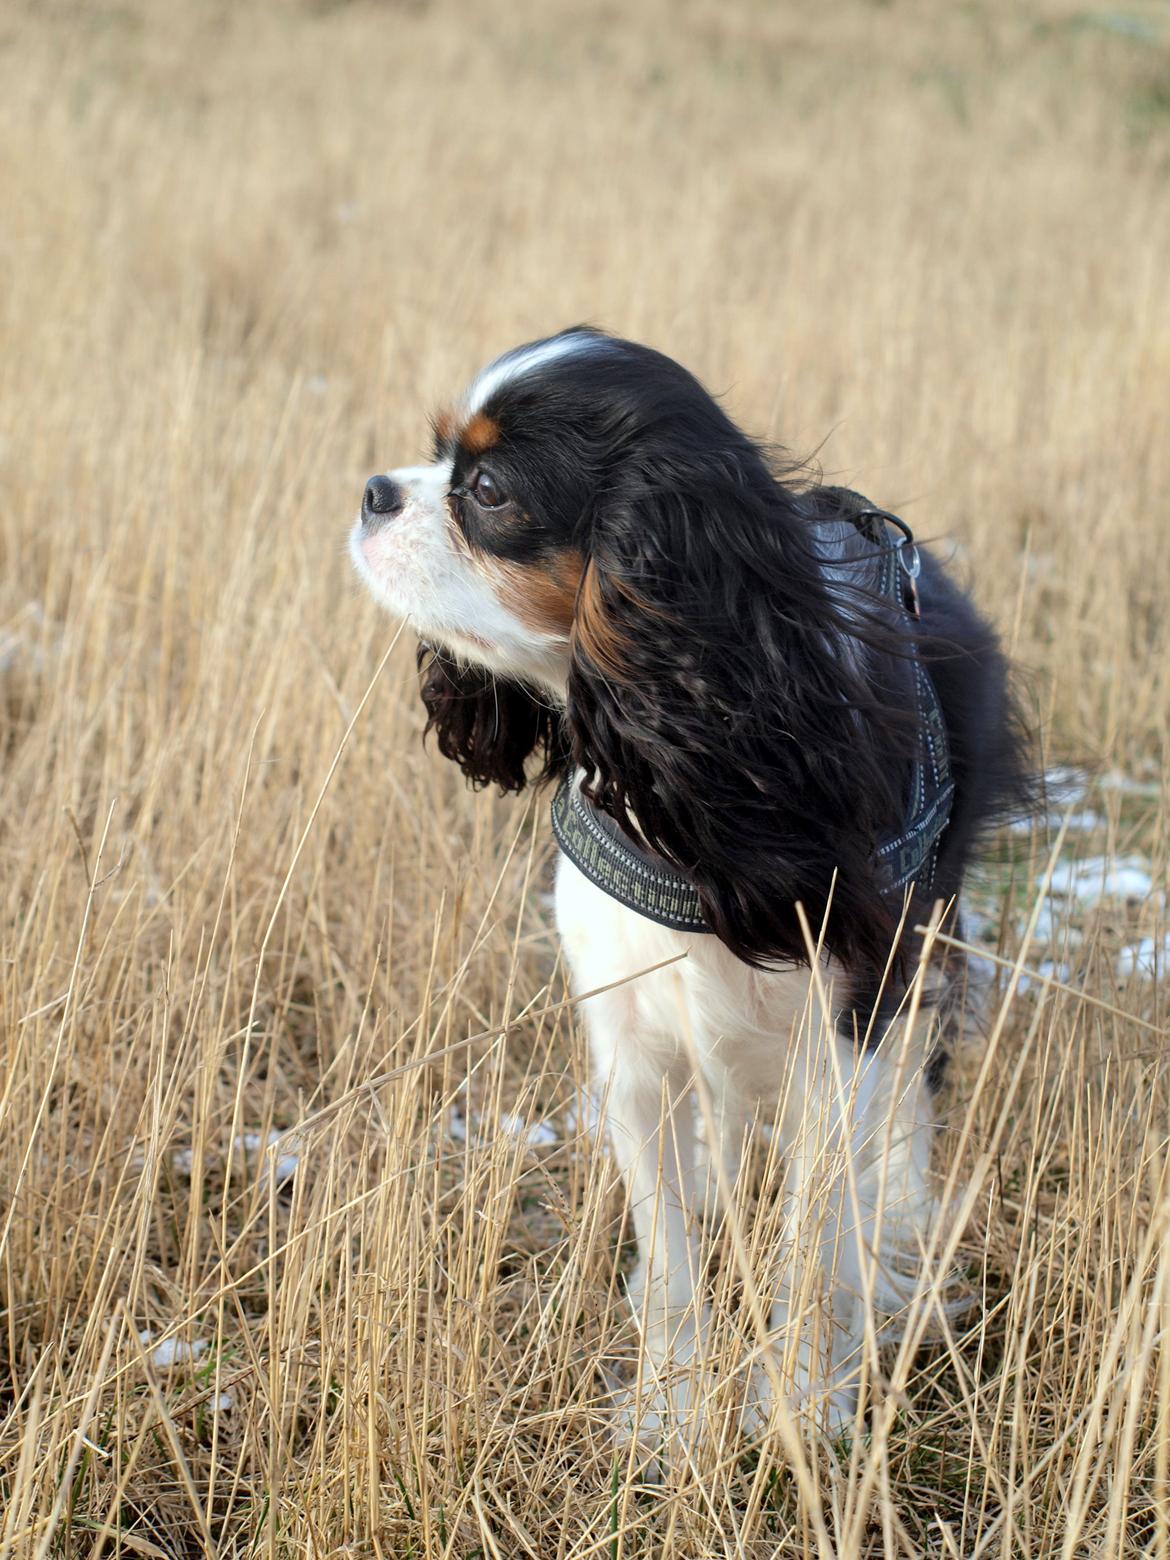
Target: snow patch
1064	785
1044	972
282	1167
981	971
172	1351
1098	878
457	1122
537	1134
1116	781
1076	823
464	1126
584	1115
1148	959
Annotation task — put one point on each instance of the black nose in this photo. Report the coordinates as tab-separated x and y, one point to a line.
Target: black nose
381	499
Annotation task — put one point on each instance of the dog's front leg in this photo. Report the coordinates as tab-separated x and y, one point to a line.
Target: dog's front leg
650	1121
721	1132
858	1212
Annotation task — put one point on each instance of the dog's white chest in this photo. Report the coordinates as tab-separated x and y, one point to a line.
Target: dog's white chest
706	998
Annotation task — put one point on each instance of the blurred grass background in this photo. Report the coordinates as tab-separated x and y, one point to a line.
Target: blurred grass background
244	249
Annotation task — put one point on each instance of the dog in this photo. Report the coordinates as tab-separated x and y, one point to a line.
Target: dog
778	730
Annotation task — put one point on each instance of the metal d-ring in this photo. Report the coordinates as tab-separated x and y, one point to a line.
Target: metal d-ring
904	545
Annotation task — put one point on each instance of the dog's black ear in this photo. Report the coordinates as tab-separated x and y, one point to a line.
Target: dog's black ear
722	705
488	725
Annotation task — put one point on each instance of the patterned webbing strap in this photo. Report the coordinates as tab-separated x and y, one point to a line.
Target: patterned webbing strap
595	843
659	890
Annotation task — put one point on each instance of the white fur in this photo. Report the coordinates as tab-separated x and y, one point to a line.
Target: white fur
414	567
513	365
854	1129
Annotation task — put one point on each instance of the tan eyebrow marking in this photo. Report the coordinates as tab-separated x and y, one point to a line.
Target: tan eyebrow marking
480	434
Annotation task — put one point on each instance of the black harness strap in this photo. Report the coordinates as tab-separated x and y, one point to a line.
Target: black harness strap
909	857
657	889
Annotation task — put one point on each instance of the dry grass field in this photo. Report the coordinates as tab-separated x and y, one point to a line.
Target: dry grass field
243	250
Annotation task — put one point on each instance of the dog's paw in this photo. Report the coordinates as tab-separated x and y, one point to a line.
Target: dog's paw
665	1420
833	1410
701	1182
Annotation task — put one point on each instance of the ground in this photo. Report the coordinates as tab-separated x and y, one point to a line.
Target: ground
244	250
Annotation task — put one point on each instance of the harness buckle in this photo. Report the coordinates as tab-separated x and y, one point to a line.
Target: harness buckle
911	565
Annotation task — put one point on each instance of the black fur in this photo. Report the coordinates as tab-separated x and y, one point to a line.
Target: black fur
739	695
488	726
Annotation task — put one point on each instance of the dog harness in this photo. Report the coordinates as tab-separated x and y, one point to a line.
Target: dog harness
637	878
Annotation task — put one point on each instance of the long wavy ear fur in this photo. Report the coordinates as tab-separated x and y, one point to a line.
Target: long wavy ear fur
729	709
488	725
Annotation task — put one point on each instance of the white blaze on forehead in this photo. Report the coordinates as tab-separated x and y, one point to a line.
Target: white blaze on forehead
513	365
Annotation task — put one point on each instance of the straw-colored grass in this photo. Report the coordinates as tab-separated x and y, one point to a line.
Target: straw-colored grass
243	249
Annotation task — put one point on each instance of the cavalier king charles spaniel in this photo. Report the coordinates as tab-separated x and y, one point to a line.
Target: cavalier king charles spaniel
778	731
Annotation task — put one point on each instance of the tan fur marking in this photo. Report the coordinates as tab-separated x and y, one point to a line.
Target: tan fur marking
601	640
542	595
443	423
480	434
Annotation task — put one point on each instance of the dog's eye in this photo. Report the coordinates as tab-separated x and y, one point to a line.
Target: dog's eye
487	492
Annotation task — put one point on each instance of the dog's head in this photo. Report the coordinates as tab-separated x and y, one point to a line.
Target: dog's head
489	552
604	570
